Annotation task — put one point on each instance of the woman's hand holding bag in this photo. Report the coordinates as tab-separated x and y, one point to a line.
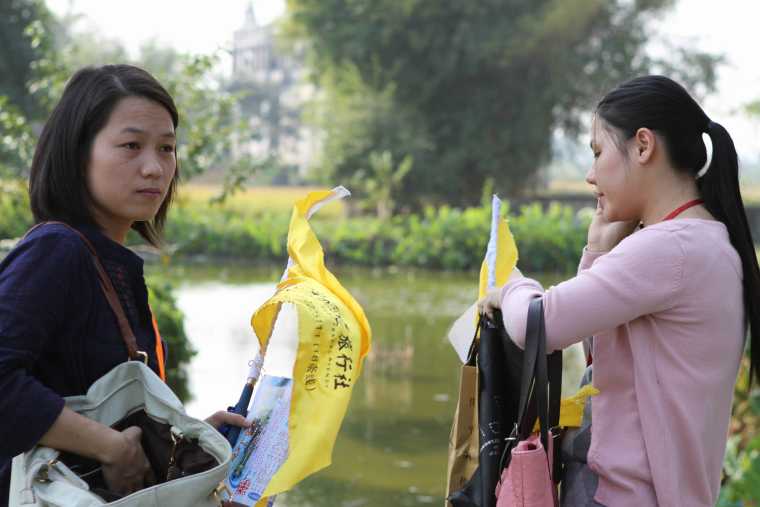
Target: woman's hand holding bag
128	469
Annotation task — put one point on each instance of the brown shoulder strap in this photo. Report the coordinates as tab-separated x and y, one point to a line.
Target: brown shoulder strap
110	293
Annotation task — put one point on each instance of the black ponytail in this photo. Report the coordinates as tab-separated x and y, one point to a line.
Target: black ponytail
662	105
719	187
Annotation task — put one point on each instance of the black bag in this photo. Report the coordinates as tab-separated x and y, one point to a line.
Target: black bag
500	369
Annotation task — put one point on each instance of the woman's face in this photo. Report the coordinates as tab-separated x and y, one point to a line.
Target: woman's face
132	163
612	176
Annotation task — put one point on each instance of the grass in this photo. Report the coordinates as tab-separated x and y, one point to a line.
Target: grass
253	201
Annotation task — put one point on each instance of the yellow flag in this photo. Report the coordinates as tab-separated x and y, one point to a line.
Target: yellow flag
506	259
333	339
501	254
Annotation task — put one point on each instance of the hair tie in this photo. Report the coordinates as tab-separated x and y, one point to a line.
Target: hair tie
707	140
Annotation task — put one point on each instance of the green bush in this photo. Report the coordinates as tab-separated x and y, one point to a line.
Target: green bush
171	322
742	466
438	238
15	214
549	240
215	231
742	462
444	238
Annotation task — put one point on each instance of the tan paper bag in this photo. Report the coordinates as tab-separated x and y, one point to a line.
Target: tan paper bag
463	440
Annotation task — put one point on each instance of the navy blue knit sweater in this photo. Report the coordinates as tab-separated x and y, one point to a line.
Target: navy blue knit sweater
57	332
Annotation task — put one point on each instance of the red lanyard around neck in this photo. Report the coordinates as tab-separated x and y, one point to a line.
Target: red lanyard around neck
682	208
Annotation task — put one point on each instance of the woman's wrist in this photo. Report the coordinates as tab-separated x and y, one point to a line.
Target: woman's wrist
112	445
75	433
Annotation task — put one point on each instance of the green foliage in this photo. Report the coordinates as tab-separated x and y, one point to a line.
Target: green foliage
552	238
445	237
16	141
382	181
742	462
25	26
470	90
215	231
742	466
438	238
358	120
171	324
70	49
15	214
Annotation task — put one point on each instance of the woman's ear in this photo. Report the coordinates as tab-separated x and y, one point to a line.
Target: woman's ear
645	143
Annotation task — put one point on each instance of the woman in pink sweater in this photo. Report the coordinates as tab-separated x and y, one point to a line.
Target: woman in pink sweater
668	285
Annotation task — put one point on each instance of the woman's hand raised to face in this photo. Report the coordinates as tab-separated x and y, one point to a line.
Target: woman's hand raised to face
603	235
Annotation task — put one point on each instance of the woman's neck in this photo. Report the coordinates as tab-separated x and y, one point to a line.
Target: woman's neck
669	197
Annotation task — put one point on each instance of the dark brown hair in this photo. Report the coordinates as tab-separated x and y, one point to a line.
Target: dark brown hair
58	178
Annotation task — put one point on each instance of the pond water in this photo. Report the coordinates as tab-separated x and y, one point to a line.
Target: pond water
392	447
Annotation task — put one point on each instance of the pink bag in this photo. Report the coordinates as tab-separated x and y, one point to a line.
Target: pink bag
527	481
526	478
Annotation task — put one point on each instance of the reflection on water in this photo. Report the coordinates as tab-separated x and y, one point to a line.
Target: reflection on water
392	448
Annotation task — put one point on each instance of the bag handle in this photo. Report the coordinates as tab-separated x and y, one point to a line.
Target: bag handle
548	377
536	333
110	293
552	368
541	385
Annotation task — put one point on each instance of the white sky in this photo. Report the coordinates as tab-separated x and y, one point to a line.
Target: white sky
729	27
191	26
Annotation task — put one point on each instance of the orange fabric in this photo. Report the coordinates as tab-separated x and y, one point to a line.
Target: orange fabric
159	349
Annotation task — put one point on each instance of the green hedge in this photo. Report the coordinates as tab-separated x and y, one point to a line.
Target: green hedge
439	238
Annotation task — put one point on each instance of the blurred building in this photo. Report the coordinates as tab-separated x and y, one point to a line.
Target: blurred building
276	92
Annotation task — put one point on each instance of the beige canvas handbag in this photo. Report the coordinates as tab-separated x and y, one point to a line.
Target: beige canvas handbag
188	457
192	471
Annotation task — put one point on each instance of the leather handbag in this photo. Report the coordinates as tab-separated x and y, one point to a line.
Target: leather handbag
188	457
530	470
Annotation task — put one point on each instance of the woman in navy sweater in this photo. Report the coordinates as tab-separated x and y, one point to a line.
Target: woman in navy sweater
105	163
